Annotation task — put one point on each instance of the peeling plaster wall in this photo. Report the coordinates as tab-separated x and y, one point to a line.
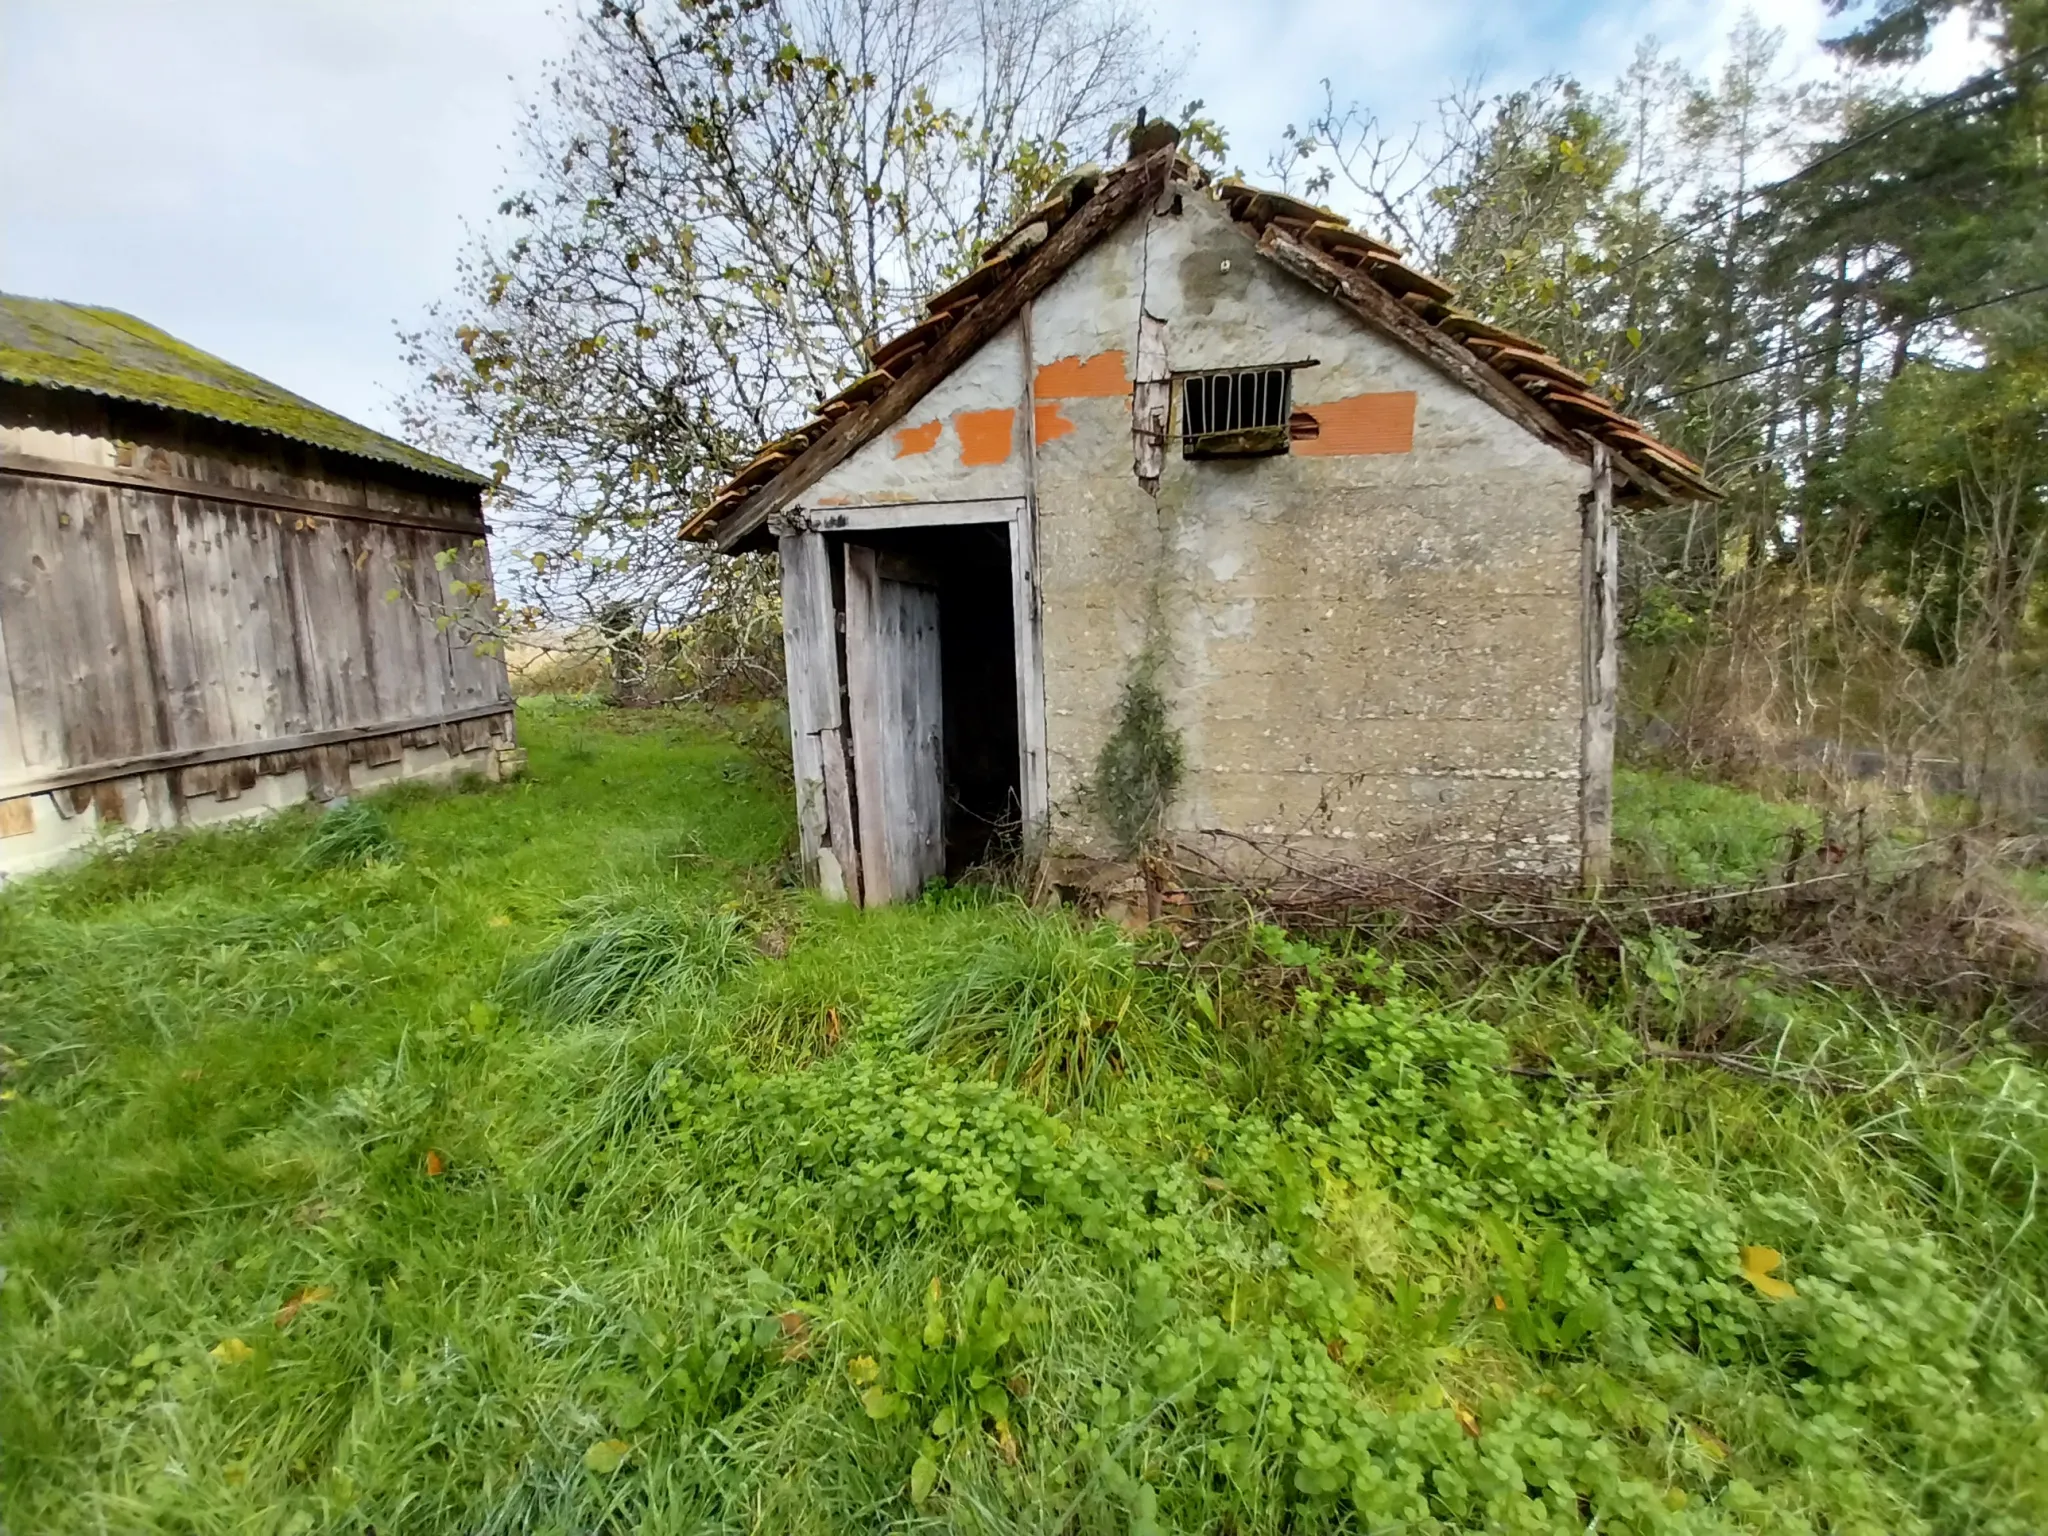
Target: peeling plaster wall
1369	642
926	457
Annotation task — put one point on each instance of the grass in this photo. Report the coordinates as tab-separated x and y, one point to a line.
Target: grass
529	1158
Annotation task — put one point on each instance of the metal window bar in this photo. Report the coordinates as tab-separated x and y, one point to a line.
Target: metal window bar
1244	408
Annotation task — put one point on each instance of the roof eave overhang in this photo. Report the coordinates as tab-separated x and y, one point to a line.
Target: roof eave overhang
419	462
744	526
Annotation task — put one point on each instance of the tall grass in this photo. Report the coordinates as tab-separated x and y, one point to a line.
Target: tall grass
538	1179
624	949
356	833
1064	1011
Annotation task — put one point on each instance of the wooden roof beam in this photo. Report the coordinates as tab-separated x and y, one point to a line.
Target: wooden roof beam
1115	197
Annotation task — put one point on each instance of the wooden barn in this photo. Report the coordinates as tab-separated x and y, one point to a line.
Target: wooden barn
1194	491
217	598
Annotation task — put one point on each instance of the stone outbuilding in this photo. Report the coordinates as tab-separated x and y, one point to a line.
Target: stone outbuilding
1194	526
217	598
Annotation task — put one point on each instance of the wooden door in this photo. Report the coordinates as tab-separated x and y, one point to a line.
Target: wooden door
895	710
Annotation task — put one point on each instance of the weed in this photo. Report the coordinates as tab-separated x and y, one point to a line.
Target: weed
1668	828
620	951
1062	1011
1139	769
351	835
540	1180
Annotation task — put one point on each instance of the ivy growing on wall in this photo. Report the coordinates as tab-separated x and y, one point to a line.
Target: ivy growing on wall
1140	766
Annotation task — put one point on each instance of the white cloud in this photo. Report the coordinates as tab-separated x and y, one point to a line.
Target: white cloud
273	182
1259	68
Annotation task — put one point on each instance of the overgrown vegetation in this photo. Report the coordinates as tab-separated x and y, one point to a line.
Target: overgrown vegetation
1140	765
568	1173
1676	830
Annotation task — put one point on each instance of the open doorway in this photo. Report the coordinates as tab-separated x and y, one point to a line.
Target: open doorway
916	697
930	663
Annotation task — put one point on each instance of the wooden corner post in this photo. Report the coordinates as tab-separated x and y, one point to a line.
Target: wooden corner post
810	648
1599	591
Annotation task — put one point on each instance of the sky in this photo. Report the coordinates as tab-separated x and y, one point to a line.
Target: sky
286	182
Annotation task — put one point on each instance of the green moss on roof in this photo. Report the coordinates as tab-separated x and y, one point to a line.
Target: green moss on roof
70	346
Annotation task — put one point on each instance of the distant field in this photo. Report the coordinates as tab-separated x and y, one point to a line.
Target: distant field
530	1158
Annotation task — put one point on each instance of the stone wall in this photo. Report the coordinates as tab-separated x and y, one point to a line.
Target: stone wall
1369	643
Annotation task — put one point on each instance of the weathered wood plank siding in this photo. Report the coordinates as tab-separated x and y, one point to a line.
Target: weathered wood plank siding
153	622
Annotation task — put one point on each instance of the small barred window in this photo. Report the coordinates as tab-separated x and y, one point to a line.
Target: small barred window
1239	413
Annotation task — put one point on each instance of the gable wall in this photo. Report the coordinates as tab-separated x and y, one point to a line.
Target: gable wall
1371	640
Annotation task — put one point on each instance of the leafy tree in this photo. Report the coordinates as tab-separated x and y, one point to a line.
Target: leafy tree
723	202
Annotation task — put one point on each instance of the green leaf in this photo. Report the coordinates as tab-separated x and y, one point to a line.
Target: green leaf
632	1410
879	1403
924	1476
606	1456
1554	1265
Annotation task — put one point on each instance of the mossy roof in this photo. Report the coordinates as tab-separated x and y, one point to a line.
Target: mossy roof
55	345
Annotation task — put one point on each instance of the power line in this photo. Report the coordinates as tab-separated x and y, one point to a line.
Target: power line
1963	92
1856	340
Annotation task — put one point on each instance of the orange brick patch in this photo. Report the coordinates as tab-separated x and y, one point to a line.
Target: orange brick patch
985	436
1079	378
1383	423
922	438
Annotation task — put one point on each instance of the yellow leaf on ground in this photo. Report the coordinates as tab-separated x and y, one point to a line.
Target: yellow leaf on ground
436	1164
232	1352
606	1456
1467	1419
1713	1445
305	1297
1757	1264
863	1369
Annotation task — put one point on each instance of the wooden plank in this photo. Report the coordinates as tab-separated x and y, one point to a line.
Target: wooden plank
809	632
842	836
13	757
907	514
1120	193
895	705
92	773
29	594
203	536
1030	666
811	666
32	466
140	597
138	656
1151	402
157	573
1028	638
808	774
865	723
920	770
1599	591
